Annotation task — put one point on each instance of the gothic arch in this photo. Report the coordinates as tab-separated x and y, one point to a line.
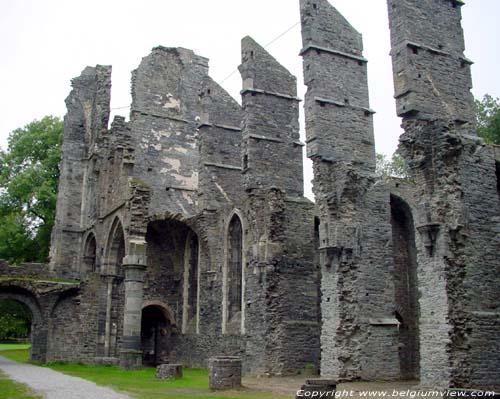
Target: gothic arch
165	309
233	298
115	248
89	254
39	324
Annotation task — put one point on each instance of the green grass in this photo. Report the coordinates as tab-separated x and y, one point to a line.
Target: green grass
11	346
16	352
142	384
13	390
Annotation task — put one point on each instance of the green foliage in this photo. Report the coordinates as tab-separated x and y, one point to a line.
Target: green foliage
395	167
29	173
15	320
488	119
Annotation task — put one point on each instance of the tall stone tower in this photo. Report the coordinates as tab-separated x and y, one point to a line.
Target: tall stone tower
457	215
359	332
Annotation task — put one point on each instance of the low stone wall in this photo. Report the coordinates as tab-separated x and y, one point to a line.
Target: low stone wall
26	270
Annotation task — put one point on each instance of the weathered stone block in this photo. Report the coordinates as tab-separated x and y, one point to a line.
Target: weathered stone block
168	371
224	373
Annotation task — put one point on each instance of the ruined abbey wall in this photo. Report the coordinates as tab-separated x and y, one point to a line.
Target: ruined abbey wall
160	198
187	234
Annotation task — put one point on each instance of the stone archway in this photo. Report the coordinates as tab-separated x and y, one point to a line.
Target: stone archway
89	254
157	325
39	325
406	287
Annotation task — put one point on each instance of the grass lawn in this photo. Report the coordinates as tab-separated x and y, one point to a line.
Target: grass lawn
13	390
142	384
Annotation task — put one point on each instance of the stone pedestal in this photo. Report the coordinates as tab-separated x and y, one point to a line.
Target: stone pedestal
167	371
224	373
317	388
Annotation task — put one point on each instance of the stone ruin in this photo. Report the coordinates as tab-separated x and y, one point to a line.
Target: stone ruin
188	234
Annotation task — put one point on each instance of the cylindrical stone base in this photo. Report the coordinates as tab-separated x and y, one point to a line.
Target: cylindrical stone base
317	388
224	373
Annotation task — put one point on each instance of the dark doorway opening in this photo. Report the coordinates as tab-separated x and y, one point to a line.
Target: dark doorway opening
406	288
234	275
156	330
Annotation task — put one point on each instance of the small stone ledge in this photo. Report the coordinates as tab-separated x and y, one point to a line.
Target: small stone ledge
259	137
225	127
410	44
168	371
164	116
384	322
270	93
343	105
332	51
222	166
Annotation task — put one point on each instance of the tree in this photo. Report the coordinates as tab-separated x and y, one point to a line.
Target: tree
29	173
488	119
395	167
15	320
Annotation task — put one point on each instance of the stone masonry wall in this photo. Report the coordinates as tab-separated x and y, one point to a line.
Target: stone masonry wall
88	113
359	338
457	215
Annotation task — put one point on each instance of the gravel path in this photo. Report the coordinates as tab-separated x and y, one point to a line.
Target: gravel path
54	385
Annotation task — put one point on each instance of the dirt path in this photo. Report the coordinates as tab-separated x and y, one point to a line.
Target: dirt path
54	385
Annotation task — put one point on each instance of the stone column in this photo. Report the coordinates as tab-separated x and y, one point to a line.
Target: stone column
134	266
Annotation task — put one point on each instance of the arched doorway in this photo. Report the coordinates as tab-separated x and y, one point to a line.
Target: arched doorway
156	330
21	304
406	288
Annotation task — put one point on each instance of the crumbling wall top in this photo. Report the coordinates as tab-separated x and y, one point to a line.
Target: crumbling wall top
260	71
323	26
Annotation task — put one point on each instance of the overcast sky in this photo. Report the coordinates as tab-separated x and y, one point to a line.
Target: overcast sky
45	43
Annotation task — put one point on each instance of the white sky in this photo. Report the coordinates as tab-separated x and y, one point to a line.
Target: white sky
45	43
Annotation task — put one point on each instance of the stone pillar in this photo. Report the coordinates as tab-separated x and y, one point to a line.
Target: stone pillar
134	267
224	373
